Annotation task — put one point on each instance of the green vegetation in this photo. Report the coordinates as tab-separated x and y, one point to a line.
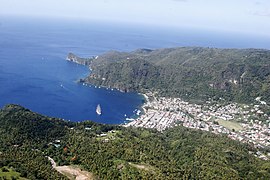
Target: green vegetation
9	174
188	72
114	152
84	61
230	125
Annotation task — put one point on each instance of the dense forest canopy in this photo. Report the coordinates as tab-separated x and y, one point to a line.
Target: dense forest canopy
239	75
28	140
115	152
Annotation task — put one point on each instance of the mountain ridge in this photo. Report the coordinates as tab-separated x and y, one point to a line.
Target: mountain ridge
238	75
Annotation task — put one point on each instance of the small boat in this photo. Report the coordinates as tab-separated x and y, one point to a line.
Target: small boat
98	110
130	119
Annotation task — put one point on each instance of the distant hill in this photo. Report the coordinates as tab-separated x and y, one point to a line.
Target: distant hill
83	61
114	152
189	72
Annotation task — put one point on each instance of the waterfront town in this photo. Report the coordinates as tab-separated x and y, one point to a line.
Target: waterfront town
245	123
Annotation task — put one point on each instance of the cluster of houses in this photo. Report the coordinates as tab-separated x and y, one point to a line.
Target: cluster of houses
161	113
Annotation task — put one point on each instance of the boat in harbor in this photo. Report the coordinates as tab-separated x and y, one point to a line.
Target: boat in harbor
98	110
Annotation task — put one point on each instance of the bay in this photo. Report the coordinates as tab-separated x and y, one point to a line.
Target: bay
35	74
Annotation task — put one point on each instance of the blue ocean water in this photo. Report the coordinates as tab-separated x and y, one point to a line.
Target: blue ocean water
35	74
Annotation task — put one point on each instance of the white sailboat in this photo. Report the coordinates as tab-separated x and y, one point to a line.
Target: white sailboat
98	110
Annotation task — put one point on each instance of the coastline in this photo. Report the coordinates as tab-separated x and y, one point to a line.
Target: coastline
230	119
137	113
139	110
146	100
161	113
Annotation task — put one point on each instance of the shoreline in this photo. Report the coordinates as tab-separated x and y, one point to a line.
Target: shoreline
161	113
137	113
146	100
231	119
139	110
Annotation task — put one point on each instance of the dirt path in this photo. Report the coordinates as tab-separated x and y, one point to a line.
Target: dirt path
72	172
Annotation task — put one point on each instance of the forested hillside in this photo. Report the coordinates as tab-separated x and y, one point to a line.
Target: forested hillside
190	72
115	152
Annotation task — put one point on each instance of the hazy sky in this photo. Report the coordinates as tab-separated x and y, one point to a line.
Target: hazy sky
247	16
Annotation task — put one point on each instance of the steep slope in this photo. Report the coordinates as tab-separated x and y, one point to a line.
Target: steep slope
25	126
189	72
22	135
113	152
